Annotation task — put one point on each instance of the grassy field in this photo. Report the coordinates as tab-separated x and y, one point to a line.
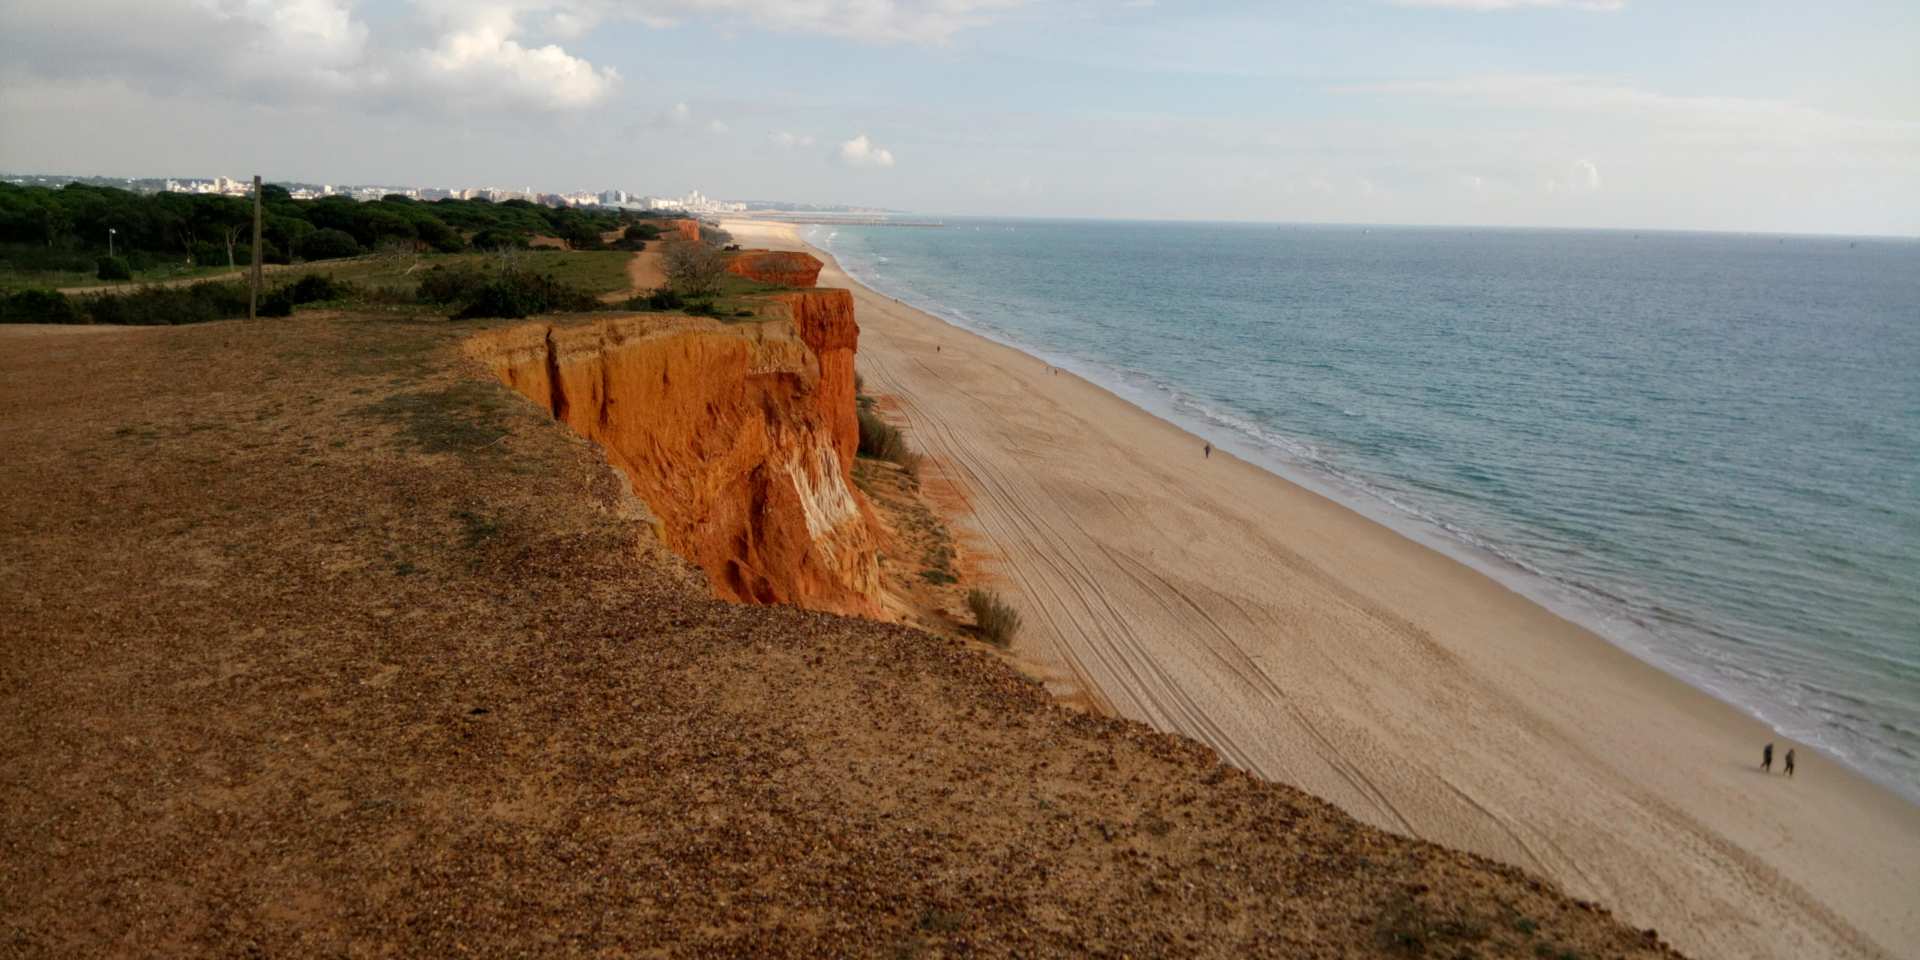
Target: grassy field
12	279
740	298
386	284
595	271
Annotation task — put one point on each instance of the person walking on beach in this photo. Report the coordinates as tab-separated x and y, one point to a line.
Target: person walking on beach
1766	758
1789	761
1209	450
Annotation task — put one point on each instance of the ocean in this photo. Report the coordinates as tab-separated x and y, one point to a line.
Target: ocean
1705	447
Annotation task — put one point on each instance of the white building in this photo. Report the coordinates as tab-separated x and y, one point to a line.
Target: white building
694	202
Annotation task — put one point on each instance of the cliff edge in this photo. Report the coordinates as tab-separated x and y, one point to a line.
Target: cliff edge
783	268
734	436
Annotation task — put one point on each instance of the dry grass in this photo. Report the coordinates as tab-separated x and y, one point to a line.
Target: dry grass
997	620
291	669
884	441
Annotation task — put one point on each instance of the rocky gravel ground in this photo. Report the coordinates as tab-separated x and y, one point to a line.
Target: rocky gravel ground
315	643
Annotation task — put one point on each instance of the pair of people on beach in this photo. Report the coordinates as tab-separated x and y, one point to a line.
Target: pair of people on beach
1766	759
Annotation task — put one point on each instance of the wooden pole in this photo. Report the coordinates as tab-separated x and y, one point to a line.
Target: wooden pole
253	286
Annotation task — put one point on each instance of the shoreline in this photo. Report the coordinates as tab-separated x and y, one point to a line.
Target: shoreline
1376	671
1574	602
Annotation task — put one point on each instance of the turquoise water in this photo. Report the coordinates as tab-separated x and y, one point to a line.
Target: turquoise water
1706	447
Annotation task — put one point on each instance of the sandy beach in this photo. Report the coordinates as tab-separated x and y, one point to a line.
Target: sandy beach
1315	647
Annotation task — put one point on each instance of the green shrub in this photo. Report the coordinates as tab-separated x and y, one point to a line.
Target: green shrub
516	293
168	306
277	303
451	284
40	258
581	235
497	239
113	268
996	619
884	441
138	260
329	244
39	306
661	299
314	287
210	255
477	290
439	236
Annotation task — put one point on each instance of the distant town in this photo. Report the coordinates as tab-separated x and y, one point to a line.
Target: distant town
694	202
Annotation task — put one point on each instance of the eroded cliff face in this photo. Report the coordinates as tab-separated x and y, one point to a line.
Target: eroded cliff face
824	321
730	433
688	230
779	267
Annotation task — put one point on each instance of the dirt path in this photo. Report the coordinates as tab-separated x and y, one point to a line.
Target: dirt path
35	331
644	275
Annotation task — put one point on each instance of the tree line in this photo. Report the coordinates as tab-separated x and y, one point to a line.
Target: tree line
68	227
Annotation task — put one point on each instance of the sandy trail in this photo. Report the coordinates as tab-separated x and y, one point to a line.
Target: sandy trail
644	275
1316	647
36	331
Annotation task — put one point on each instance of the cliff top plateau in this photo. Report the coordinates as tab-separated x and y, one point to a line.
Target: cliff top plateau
317	639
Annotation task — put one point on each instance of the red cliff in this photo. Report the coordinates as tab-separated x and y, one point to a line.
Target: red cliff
778	267
732	434
688	230
824	320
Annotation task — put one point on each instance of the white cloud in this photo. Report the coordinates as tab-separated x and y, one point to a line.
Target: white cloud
317	39
874	21
715	126
431	55
478	57
302	51
790	141
862	152
1482	6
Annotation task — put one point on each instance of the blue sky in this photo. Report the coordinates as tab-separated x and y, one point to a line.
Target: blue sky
1642	113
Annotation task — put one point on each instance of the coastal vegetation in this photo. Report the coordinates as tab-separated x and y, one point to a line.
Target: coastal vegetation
113	268
694	270
884	441
55	237
507	283
995	618
501	288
